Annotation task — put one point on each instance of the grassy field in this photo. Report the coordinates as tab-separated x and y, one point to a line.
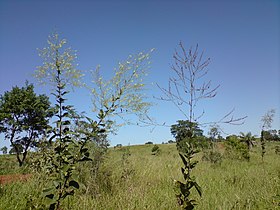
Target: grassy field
146	181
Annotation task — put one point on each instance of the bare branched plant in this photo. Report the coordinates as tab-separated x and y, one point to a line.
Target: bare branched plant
188	87
185	90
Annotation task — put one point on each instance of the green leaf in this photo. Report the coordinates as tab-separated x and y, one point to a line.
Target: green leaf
184	160
198	188
65	92
48	191
84	150
85	159
50	196
74	184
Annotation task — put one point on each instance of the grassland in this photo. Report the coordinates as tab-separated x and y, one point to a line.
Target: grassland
146	181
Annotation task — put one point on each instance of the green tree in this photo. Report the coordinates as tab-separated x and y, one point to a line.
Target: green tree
267	120
185	129
236	148
16	148
248	139
187	132
24	117
4	150
214	132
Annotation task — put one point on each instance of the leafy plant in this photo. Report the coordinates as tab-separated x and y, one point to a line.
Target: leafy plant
67	151
277	150
188	132
248	139
155	150
212	156
183	196
236	149
4	150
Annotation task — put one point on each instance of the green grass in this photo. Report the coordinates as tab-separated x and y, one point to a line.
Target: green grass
9	165
148	183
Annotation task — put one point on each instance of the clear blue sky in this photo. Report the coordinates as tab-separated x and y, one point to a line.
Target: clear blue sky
242	38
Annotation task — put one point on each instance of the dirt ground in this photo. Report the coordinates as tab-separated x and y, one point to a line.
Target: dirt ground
4	179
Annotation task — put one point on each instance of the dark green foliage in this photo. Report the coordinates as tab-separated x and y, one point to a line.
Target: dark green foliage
188	136
186	132
272	135
118	146
16	148
236	149
155	150
263	144
149	142
60	162
248	139
214	132
185	129
4	150
184	188
277	150
24	117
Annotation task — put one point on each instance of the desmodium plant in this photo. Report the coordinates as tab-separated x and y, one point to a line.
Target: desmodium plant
66	151
118	96
183	196
185	134
186	88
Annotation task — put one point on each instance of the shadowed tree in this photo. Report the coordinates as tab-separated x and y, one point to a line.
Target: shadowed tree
24	117
4	150
248	139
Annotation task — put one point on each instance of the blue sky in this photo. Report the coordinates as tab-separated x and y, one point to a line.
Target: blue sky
242	38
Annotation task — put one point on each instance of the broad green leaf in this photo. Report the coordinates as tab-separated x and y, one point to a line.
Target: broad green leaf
74	184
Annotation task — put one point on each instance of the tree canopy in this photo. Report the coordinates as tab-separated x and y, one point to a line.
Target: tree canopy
24	116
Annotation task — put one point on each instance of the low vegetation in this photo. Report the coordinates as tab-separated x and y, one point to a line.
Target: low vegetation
148	182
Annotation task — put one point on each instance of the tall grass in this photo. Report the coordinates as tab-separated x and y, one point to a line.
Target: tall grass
231	185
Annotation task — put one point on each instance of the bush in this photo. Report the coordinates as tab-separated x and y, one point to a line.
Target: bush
277	150
235	149
149	142
155	150
199	143
212	156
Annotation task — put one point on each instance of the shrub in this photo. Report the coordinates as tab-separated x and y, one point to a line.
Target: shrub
149	142
212	156
235	149
155	150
